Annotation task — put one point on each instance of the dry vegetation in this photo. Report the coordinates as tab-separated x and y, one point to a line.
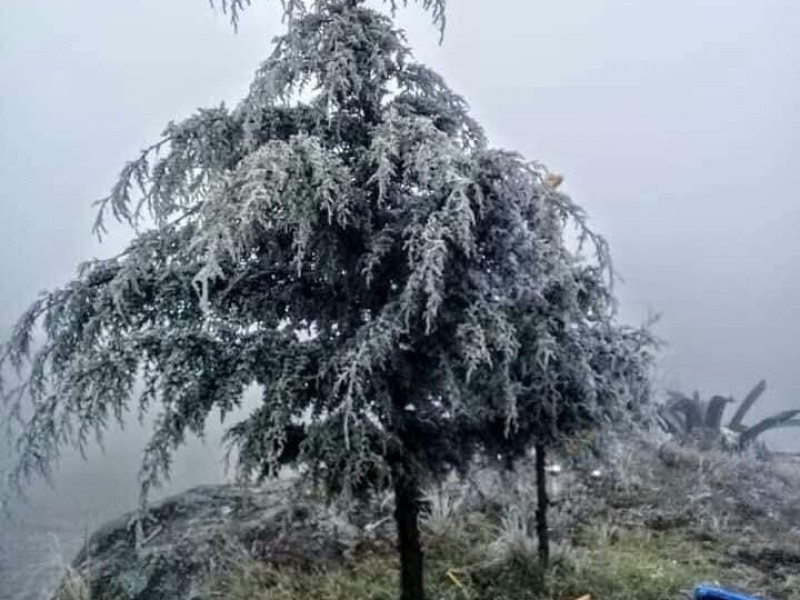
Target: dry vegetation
655	523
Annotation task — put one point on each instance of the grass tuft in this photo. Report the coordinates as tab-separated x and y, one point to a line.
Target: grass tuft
463	565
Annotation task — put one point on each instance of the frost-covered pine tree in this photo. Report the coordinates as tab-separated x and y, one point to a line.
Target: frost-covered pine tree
403	295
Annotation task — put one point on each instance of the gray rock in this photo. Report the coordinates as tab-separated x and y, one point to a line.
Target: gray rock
169	553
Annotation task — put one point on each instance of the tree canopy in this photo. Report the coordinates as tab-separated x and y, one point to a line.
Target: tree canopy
403	294
292	9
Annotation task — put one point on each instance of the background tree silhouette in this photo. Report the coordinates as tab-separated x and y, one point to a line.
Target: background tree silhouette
701	422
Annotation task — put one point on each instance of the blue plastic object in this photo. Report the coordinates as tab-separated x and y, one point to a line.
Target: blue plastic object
707	592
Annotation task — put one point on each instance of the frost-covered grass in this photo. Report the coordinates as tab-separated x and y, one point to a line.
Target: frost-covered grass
463	564
621	565
660	527
667	521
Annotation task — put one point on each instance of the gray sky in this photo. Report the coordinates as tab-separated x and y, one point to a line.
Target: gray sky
676	124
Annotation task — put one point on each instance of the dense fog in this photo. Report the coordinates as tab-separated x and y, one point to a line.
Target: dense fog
676	126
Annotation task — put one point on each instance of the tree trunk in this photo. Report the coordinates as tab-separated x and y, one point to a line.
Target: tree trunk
406	515
407	493
542	533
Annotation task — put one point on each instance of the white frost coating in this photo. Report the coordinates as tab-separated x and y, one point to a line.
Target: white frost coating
345	239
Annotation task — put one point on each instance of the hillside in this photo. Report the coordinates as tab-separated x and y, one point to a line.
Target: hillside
650	526
645	522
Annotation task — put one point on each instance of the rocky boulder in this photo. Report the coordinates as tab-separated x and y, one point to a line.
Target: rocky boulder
170	551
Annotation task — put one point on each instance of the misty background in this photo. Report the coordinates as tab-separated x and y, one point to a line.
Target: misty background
676	125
